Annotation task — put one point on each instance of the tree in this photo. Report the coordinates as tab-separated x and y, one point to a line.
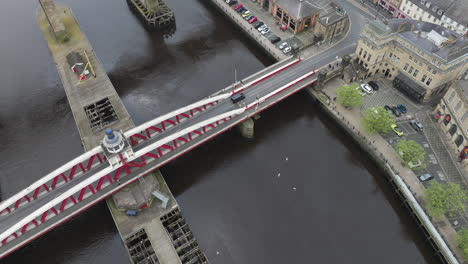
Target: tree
348	96
444	198
377	119
462	239
411	152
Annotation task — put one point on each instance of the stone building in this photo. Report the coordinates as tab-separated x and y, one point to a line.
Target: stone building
447	13
298	15
421	58
452	113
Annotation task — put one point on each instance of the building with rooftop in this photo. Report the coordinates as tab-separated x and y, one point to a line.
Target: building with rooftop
298	15
452	115
421	58
391	6
447	13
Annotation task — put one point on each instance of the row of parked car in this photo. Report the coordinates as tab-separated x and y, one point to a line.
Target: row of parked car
261	27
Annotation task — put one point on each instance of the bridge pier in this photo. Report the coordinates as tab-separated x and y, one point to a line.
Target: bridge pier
246	128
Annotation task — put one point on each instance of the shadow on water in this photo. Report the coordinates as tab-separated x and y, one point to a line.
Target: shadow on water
357	157
67	244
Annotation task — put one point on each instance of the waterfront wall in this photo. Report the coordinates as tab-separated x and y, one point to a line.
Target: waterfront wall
402	189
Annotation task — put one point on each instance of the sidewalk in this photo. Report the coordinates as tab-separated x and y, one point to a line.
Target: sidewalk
352	119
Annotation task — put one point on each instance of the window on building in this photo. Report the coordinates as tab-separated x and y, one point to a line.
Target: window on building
429	69
410	57
464	117
415	73
365	54
292	24
360	52
434	72
279	12
368	58
410	70
452	95
457	106
428	81
420	64
423	78
434	19
390	56
285	18
406	67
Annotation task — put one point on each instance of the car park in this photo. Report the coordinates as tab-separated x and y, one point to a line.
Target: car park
416	125
426	177
287	49
396	112
252	20
283	45
402	108
374	85
366	88
397	130
265	31
258	24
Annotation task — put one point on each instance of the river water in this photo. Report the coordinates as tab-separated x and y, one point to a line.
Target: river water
301	192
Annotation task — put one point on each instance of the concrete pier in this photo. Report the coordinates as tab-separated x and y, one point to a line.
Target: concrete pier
96	106
246	128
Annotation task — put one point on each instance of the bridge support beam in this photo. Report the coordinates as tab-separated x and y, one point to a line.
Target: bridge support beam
246	128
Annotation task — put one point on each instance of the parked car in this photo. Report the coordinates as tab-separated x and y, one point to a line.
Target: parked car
274	39
287	49
426	177
248	17
416	125
389	109
252	20
402	108
366	88
265	31
231	2
397	130
374	85
261	28
241	9
258	24
236	7
283	45
246	13
396	112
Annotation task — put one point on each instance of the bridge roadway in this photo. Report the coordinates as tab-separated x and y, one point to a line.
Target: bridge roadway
14	223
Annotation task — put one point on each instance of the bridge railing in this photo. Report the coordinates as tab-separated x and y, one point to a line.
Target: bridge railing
94	184
64	174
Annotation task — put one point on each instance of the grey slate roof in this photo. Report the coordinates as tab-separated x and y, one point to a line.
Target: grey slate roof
299	9
439	4
458	11
413	31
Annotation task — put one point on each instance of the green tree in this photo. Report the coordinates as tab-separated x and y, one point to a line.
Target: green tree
462	239
411	152
377	119
349	96
444	198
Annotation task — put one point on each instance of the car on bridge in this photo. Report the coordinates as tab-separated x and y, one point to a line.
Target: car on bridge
237	98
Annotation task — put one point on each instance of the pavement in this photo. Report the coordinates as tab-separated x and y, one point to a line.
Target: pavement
440	162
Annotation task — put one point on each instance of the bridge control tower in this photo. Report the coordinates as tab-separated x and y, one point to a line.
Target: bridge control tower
116	146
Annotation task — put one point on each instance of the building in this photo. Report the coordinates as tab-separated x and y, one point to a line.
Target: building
421	58
447	13
452	113
391	6
298	15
